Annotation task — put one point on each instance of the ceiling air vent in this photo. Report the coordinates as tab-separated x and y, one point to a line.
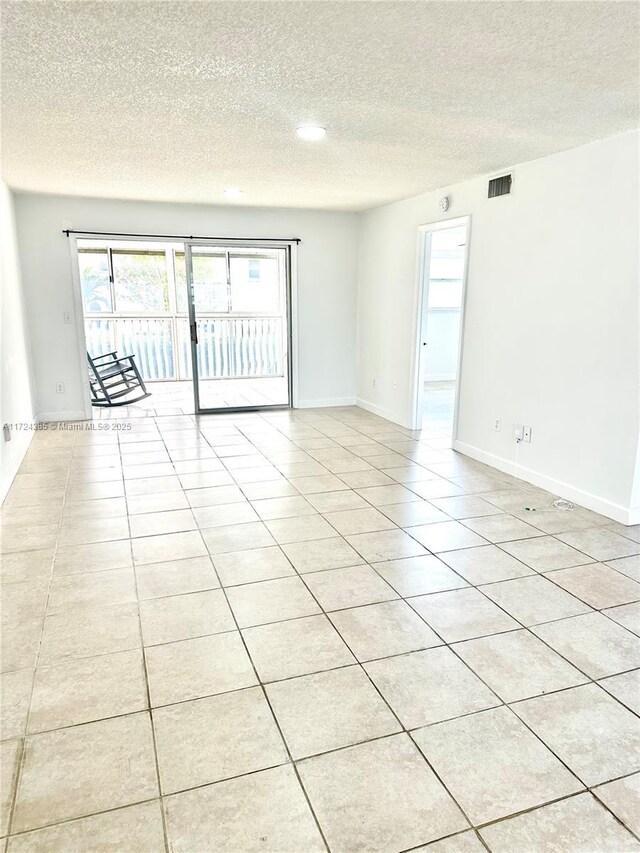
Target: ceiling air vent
500	186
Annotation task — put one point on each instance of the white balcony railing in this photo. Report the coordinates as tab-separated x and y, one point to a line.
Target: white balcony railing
228	347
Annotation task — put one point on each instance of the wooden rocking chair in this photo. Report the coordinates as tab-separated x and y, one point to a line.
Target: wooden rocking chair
113	379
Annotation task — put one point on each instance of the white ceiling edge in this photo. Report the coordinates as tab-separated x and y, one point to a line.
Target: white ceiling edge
221	204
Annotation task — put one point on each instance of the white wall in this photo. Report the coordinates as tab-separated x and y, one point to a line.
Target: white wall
16	397
327	284
551	327
443	332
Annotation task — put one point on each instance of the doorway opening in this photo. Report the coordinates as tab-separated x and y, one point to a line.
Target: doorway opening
209	324
442	286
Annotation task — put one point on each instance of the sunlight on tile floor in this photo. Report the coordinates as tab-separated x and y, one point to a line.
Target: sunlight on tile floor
308	630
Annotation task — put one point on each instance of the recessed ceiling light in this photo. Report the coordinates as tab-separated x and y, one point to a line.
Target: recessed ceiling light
232	192
311	132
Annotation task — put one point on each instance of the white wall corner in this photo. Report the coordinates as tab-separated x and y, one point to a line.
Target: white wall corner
387	414
634	511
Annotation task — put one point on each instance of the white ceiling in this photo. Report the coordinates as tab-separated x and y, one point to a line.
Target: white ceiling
177	100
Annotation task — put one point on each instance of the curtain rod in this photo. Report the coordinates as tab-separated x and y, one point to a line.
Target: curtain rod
69	231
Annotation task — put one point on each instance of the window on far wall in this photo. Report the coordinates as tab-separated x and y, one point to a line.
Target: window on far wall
94	279
140	282
445	278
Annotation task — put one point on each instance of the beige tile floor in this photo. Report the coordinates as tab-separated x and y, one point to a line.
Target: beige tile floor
310	630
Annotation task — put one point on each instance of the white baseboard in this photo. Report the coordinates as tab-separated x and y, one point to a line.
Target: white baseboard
381	412
19	444
326	403
634	515
617	512
59	417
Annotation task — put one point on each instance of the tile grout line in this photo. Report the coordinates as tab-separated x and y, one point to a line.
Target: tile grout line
163	815
273	717
18	769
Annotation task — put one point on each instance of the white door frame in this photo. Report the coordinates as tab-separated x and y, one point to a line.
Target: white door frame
78	306
420	352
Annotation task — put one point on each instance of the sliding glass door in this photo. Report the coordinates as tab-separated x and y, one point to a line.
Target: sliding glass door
239	320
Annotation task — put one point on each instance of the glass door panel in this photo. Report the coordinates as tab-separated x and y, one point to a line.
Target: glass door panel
239	323
210	274
255	284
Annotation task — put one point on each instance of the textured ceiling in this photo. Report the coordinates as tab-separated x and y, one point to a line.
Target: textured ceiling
177	100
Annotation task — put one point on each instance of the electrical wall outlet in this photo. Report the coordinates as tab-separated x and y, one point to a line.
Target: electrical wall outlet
518	432
526	433
67	318
59	387
373	383
497	425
